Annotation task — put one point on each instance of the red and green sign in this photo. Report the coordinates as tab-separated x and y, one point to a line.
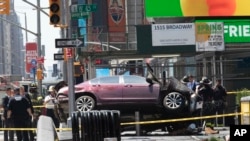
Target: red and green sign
195	8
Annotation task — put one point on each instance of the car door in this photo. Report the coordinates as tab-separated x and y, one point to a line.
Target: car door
110	90
137	90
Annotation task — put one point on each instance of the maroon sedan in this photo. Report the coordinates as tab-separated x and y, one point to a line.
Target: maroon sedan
125	90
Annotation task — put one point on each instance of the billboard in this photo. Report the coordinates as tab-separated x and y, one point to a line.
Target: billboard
116	20
195	8
31	56
235	31
209	36
169	34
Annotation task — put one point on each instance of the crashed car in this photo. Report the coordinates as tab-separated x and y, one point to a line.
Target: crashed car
129	93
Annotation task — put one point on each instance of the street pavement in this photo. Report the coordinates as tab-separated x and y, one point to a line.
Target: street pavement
154	136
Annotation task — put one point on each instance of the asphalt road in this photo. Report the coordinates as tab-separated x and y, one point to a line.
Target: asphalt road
154	136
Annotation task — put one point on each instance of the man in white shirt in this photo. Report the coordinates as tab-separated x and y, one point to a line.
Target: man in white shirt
49	102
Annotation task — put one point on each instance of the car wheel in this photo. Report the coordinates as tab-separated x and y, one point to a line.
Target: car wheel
173	101
85	103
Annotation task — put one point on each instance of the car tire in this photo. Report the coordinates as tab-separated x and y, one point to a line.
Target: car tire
174	101
85	103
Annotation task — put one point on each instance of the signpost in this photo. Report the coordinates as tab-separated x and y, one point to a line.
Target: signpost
61	43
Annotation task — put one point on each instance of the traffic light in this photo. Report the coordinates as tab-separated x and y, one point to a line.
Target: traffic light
4	7
54	12
78	68
39	74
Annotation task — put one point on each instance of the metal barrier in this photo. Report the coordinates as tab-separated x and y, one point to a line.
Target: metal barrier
96	125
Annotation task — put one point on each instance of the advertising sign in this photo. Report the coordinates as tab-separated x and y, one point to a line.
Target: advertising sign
237	31
173	34
116	20
194	8
209	36
31	55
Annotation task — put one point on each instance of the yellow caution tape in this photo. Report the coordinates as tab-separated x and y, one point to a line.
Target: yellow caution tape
143	122
39	106
181	119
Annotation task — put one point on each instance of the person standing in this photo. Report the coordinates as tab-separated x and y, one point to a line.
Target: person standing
192	83
220	95
19	110
50	104
8	135
206	91
26	95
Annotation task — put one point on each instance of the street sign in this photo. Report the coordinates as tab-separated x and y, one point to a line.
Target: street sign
80	8
58	56
74	42
40	60
79	15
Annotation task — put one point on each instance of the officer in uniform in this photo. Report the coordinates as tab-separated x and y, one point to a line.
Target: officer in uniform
220	95
206	91
8	135
27	96
19	110
33	91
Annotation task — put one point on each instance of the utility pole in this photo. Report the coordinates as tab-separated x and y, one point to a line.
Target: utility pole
39	82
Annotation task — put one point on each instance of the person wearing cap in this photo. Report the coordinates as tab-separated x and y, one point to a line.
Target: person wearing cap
220	94
50	103
8	135
19	110
33	91
206	91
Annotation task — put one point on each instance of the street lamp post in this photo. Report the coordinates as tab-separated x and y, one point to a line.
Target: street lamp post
25	18
39	82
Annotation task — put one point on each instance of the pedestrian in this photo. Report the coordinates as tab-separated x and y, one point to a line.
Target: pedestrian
19	110
8	135
30	120
206	91
220	95
192	83
50	105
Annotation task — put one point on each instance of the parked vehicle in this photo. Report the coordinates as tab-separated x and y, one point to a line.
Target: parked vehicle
129	93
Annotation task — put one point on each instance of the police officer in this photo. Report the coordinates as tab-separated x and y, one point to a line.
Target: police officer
220	95
33	91
8	135
26	95
206	91
19	110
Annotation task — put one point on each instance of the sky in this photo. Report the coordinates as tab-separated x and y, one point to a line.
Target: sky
48	32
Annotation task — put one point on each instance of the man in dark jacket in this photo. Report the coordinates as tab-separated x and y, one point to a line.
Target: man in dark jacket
26	95
19	110
206	91
8	135
220	95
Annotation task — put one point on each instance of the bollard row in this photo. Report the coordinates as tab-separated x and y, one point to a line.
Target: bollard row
96	125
